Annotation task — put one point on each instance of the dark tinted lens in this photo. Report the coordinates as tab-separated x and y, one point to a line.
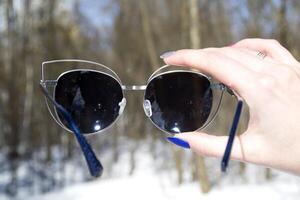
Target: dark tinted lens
91	97
180	101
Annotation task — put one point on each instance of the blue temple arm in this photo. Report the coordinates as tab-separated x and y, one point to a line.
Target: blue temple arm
232	133
95	166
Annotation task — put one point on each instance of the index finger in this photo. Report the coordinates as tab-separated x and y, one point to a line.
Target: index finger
226	70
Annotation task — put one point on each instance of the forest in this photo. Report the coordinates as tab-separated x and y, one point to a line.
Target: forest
38	156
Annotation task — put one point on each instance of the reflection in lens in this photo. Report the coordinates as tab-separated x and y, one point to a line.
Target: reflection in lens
91	97
175	129
97	126
180	101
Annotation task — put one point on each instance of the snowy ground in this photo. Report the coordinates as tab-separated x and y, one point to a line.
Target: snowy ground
149	187
148	183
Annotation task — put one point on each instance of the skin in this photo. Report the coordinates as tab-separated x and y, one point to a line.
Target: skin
271	89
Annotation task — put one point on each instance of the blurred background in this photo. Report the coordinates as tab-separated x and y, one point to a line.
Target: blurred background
39	160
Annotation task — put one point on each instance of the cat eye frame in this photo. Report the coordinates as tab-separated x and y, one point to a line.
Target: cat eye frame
88	97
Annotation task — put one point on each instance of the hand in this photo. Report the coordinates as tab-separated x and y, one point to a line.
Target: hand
270	87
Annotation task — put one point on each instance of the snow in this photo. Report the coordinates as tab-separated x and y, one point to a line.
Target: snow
149	187
149	183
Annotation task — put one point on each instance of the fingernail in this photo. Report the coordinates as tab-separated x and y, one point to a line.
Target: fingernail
179	142
166	54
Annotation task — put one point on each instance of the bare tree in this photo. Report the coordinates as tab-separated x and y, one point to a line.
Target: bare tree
29	71
13	108
148	35
195	42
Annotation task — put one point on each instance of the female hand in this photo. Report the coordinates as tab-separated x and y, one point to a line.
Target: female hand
271	88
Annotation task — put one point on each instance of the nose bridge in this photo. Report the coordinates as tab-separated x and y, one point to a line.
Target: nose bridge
134	87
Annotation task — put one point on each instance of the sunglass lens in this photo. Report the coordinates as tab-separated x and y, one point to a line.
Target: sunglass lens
91	97
179	101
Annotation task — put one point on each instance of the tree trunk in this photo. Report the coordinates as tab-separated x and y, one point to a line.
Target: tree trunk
195	42
148	35
178	164
268	174
184	23
29	72
194	24
282	24
13	97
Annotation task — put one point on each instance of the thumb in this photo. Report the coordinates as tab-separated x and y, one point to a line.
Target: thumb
211	145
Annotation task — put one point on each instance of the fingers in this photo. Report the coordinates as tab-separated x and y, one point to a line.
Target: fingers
245	56
228	71
210	145
247	147
269	46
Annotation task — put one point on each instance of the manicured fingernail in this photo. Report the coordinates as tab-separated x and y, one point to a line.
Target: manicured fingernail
166	54
179	142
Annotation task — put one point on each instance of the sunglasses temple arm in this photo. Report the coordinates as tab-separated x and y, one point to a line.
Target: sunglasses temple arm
232	133
94	164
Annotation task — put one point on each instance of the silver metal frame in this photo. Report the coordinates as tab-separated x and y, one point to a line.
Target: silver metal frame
79	61
212	114
114	75
53	82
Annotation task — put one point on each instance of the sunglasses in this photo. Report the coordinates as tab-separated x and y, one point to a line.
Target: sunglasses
85	97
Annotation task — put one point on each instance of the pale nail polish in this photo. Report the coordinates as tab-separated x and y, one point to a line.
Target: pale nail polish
166	54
